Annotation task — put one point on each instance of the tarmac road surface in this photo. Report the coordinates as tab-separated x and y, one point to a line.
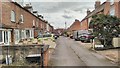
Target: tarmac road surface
70	53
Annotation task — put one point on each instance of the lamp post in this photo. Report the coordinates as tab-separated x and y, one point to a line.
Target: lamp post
65	25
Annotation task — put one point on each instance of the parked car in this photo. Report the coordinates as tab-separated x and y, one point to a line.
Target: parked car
77	34
86	37
71	36
46	37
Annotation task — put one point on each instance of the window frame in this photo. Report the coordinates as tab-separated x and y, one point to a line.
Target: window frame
22	18
13	16
2	37
112	11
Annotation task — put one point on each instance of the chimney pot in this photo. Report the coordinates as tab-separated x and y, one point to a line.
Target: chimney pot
88	11
97	3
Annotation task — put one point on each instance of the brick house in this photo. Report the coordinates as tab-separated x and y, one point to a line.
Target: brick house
75	26
107	8
18	23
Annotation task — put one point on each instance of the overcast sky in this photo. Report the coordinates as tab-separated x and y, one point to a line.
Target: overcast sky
57	12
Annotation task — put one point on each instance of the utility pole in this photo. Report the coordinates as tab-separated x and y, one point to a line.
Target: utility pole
65	25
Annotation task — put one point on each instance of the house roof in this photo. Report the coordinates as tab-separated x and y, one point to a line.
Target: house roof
100	8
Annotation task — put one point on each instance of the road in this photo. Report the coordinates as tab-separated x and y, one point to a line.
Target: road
70	53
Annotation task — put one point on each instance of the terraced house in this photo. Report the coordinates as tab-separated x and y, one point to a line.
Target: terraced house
18	22
110	7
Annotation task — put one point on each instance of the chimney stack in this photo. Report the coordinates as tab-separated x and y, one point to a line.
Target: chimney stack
97	4
28	7
88	11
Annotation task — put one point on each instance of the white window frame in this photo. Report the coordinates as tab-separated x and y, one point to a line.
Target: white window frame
6	38
33	22
17	36
31	33
13	16
112	10
22	18
2	37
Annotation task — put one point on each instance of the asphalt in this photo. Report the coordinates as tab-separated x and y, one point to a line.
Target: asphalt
70	53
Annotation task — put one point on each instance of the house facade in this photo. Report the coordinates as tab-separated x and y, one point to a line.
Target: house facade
18	23
75	26
110	7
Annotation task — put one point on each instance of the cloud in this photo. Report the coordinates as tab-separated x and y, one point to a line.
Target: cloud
57	12
67	16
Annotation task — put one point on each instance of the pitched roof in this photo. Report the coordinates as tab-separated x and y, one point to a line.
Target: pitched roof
100	8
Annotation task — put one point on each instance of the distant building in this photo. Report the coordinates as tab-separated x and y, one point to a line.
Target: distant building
75	26
59	31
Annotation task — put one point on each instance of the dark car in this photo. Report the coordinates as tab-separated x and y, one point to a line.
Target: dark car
71	36
86	37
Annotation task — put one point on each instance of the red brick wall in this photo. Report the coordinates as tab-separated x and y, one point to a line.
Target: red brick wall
46	57
117	9
75	26
107	8
7	7
28	17
6	10
51	29
84	24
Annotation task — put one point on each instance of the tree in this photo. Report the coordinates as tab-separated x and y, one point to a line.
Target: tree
105	27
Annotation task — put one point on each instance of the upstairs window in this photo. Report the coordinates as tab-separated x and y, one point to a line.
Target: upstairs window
22	18
112	11
13	16
33	22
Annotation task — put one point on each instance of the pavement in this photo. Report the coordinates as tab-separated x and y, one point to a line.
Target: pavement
111	54
70	53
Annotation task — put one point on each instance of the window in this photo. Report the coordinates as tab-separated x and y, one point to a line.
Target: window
22	34
13	16
22	19
33	22
1	39
6	37
112	11
27	33
32	33
17	36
